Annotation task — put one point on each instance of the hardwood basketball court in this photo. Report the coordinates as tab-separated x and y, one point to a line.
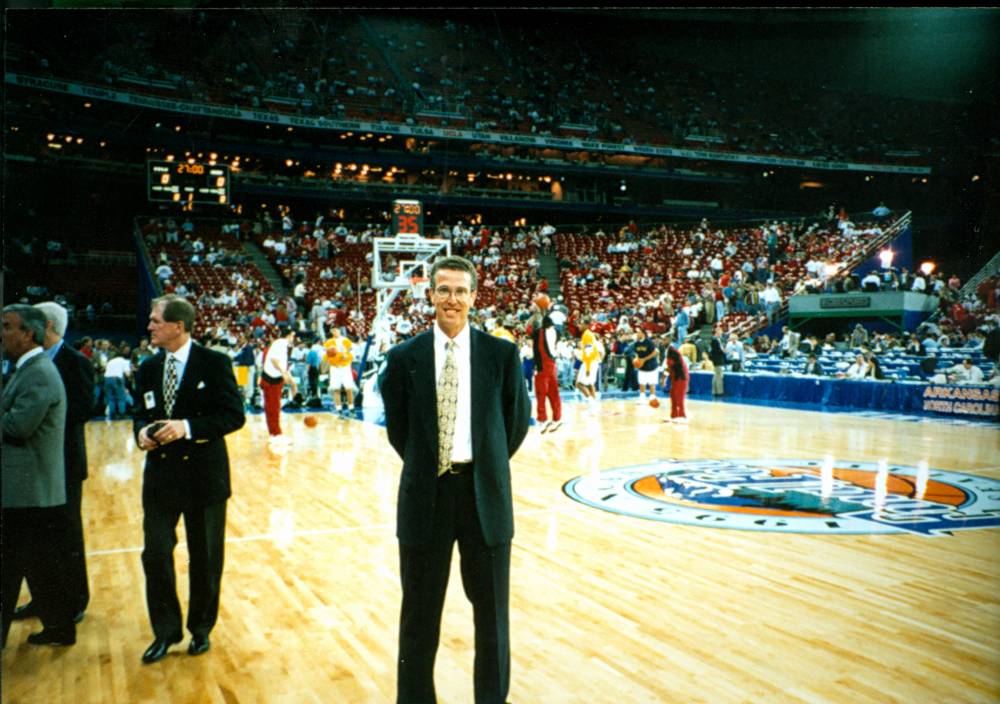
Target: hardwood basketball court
605	607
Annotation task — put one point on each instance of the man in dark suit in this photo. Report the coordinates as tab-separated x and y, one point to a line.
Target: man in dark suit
813	367
77	375
33	479
187	403
456	410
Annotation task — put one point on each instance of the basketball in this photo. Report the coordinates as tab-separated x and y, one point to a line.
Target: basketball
543	301
654	402
310	421
637	363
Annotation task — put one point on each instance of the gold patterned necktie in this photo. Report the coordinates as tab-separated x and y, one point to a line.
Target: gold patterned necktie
170	385
447	405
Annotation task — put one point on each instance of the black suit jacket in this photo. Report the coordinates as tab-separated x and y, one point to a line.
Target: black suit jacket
815	369
77	374
191	472
500	414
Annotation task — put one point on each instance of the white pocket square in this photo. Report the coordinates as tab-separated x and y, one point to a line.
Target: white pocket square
201	384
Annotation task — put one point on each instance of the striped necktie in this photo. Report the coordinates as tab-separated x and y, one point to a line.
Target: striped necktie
447	405
170	385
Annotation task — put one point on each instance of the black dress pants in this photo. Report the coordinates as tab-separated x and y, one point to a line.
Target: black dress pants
74	570
34	548
424	571
205	527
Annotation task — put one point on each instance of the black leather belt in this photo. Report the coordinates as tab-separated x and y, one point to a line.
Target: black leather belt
460	467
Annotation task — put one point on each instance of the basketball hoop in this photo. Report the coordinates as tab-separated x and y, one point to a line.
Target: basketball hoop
418	287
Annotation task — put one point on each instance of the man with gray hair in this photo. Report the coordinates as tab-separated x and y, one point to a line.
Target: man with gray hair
188	402
77	375
33	405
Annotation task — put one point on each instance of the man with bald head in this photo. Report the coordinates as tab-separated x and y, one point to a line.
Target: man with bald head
77	374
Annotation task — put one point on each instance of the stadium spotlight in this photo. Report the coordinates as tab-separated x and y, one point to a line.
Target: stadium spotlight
623	187
927	267
975	178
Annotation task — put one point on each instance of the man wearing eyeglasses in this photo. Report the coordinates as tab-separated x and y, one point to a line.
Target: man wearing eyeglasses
456	410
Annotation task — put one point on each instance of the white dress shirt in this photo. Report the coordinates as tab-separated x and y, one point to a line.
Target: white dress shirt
462	444
23	359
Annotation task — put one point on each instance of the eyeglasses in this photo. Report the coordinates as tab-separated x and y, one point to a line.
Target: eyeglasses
444	293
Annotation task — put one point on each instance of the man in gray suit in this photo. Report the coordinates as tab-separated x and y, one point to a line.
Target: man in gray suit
34	479
77	374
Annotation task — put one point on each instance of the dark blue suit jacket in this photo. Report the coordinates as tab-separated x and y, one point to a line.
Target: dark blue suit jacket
77	373
191	472
817	370
500	415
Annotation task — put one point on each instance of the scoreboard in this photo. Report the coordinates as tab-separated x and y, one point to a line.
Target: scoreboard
407	218
183	182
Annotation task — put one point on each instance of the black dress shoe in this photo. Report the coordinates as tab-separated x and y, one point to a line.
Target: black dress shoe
54	636
158	650
199	645
27	611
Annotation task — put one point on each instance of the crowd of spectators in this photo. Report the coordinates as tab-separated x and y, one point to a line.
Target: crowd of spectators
672	282
327	265
671	278
94	286
333	264
686	278
435	70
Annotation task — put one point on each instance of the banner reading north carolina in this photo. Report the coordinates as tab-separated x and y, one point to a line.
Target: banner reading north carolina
962	400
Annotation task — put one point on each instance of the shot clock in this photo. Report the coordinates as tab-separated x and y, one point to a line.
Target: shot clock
407	218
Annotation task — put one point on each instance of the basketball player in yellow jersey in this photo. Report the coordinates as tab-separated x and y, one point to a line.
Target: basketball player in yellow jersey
502	332
590	353
340	355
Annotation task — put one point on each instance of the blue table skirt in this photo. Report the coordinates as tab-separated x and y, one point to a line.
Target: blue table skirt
828	392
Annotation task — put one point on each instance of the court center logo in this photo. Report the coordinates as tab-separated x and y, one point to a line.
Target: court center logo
795	496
